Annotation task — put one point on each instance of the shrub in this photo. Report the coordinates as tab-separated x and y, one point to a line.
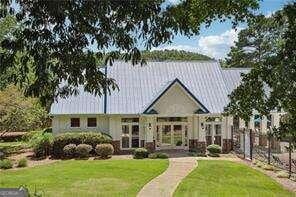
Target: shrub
70	150
158	156
214	155
22	163
282	174
83	150
214	150
104	150
140	153
91	138
5	164
42	145
47	130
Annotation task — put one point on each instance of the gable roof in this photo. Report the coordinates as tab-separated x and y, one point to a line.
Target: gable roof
139	86
176	81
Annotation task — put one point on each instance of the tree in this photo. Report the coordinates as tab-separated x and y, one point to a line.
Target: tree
259	40
271	82
19	113
63	41
172	55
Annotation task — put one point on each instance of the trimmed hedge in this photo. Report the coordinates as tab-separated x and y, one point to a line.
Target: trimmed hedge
104	150
91	138
214	149
141	153
83	150
70	150
158	156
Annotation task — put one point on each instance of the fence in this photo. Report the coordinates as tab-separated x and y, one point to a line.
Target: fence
253	145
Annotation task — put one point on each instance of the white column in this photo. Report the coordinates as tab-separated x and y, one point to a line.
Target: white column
264	124
149	129
241	123
251	124
276	120
201	129
224	127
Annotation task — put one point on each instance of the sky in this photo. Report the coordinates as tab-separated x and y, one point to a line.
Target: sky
216	40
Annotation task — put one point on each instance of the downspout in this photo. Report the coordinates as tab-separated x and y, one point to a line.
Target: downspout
105	92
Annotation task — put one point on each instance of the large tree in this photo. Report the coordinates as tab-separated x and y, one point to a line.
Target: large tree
271	83
67	40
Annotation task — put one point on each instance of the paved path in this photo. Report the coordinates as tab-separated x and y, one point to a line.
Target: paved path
165	184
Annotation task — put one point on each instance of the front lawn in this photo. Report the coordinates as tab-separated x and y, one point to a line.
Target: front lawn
86	178
225	178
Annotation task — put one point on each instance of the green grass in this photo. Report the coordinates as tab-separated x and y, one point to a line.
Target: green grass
86	178
225	178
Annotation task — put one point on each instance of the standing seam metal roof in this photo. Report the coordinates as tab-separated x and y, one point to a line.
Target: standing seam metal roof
139	85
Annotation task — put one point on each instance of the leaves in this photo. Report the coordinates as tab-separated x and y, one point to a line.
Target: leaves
62	39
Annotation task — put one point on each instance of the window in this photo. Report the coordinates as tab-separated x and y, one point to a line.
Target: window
218	129
130	137
91	122
75	122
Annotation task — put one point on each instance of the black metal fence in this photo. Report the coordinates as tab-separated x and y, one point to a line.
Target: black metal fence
268	149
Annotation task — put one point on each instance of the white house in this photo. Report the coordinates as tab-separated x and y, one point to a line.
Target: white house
161	105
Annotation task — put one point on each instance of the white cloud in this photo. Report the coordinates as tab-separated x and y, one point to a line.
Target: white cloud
270	13
215	46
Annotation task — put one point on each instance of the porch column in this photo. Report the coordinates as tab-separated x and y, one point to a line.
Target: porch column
201	143
193	132
149	142
264	125
226	133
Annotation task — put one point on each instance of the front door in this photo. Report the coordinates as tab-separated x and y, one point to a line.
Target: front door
171	136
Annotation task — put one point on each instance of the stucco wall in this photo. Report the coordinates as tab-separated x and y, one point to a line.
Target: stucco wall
175	102
62	124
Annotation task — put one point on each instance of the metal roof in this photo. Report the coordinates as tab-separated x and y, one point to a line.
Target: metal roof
140	85
232	77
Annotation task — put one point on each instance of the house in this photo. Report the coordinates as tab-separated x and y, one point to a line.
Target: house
161	105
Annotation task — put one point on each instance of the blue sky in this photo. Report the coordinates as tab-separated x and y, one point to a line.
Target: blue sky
216	40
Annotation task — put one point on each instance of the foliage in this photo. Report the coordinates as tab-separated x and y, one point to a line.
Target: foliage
22	163
140	153
70	150
92	138
158	156
104	150
13	147
173	55
19	113
47	130
272	72
83	150
42	144
86	177
228	179
6	164
214	149
59	40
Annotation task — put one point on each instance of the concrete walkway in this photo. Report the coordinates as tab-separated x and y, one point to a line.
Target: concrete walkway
165	184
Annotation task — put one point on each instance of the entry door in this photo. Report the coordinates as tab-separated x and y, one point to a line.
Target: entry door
177	135
166	135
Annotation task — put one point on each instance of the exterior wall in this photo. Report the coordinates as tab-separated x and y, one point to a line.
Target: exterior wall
62	124
175	102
